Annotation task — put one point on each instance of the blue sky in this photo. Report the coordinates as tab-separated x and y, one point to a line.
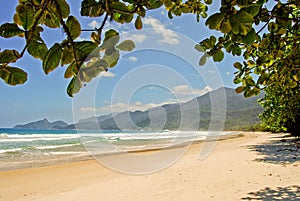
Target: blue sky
162	69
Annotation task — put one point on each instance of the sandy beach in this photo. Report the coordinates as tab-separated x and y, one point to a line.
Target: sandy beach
256	166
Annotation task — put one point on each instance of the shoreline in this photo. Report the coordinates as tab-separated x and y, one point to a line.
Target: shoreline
50	160
232	171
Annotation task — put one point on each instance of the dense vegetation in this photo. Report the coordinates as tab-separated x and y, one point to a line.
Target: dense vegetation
265	33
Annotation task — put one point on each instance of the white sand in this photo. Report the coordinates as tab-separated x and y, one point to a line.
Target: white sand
230	172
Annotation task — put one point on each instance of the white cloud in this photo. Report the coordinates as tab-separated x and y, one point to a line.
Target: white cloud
122	107
137	38
133	59
168	36
183	93
94	24
227	73
107	74
185	90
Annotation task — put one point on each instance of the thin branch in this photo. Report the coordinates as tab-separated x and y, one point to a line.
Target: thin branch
264	26
99	30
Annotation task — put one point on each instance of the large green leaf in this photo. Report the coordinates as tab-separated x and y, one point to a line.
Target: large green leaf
74	86
50	19
250	37
71	71
13	75
8	56
8	30
25	15
67	56
74	26
241	23
214	21
126	45
37	49
83	49
52	58
64	8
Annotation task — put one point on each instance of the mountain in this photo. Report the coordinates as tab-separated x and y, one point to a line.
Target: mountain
43	124
241	113
196	114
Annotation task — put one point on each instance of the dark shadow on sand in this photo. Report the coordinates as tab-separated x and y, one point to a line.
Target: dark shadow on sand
289	193
279	150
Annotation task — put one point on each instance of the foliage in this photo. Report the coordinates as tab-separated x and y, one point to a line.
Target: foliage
281	110
266	34
84	60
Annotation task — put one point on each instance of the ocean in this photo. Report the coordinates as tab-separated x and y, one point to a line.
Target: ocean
23	148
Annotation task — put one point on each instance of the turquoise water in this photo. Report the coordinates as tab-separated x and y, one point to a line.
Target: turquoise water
21	148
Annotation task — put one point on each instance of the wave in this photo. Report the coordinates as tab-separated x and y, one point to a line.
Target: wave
56	146
3	135
10	150
37	137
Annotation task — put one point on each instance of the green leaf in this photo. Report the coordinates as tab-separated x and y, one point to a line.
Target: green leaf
199	48
214	21
50	19
218	56
52	58
238	65
8	56
111	39
203	60
119	6
236	50
212	40
240	89
241	23
25	15
83	49
95	38
74	26
64	8
92	70
250	37
67	56
225	26
8	30
112	58
71	71
126	45
138	23
37	49
92	8
13	76
74	86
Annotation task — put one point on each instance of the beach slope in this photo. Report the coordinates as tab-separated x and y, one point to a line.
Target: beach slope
256	166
